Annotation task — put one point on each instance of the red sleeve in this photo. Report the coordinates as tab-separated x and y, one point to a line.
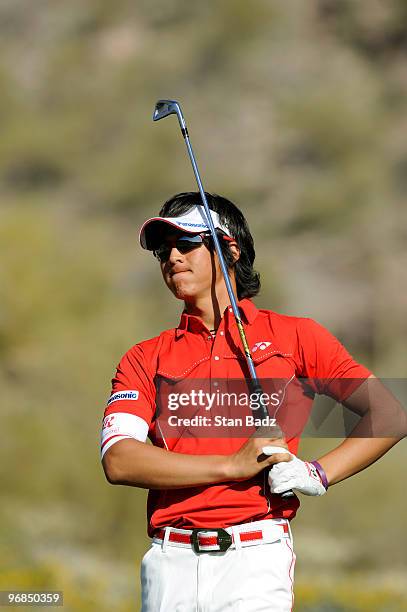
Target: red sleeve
331	370
133	388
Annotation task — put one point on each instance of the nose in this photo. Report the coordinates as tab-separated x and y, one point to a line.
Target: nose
175	255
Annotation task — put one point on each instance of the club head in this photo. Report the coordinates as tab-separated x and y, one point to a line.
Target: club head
163	108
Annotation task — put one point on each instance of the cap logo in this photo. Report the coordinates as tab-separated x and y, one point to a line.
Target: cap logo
191	224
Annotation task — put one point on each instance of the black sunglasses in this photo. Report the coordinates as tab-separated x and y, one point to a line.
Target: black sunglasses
184	244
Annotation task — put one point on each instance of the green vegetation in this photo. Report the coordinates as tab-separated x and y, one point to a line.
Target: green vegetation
297	111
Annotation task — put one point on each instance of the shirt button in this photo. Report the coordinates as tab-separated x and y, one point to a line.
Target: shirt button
230	310
222	333
216	358
215	384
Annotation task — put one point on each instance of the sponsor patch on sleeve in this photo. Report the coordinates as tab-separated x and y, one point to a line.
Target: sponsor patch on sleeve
129	394
120	425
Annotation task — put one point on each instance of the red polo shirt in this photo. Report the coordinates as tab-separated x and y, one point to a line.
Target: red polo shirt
283	347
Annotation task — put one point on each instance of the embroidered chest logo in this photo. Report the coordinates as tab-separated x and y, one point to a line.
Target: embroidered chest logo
260	346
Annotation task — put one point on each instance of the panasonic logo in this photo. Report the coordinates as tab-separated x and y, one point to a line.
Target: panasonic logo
131	394
192	224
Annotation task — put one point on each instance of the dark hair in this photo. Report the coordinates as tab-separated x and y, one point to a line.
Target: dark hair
247	279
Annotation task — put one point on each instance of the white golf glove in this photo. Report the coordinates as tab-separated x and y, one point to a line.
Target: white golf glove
294	474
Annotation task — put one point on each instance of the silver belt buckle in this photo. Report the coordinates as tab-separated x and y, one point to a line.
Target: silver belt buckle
224	539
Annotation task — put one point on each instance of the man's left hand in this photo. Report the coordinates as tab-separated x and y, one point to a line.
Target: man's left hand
295	474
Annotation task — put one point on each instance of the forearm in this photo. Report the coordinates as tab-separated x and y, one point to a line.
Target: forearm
354	455
383	423
137	464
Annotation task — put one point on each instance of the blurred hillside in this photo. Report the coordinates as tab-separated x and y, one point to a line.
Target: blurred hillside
296	111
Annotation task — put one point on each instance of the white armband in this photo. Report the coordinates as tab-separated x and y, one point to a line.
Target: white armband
120	425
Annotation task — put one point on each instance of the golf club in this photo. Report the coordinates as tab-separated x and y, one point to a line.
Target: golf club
164	108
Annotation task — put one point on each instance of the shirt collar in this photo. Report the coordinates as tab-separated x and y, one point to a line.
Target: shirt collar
193	324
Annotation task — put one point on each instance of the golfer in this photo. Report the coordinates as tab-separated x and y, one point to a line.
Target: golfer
218	509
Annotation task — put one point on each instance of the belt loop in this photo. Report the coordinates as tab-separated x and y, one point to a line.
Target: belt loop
236	537
167	531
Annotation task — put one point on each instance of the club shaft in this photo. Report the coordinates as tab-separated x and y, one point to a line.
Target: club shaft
229	287
256	386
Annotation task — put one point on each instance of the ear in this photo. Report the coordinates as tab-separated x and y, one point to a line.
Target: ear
234	249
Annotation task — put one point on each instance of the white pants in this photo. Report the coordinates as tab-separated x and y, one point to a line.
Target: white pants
252	579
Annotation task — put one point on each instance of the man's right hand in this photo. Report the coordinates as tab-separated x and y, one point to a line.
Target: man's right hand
250	459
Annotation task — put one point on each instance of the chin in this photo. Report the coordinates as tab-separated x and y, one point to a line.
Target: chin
182	291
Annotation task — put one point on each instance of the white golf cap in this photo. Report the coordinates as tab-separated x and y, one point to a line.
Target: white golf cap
193	222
